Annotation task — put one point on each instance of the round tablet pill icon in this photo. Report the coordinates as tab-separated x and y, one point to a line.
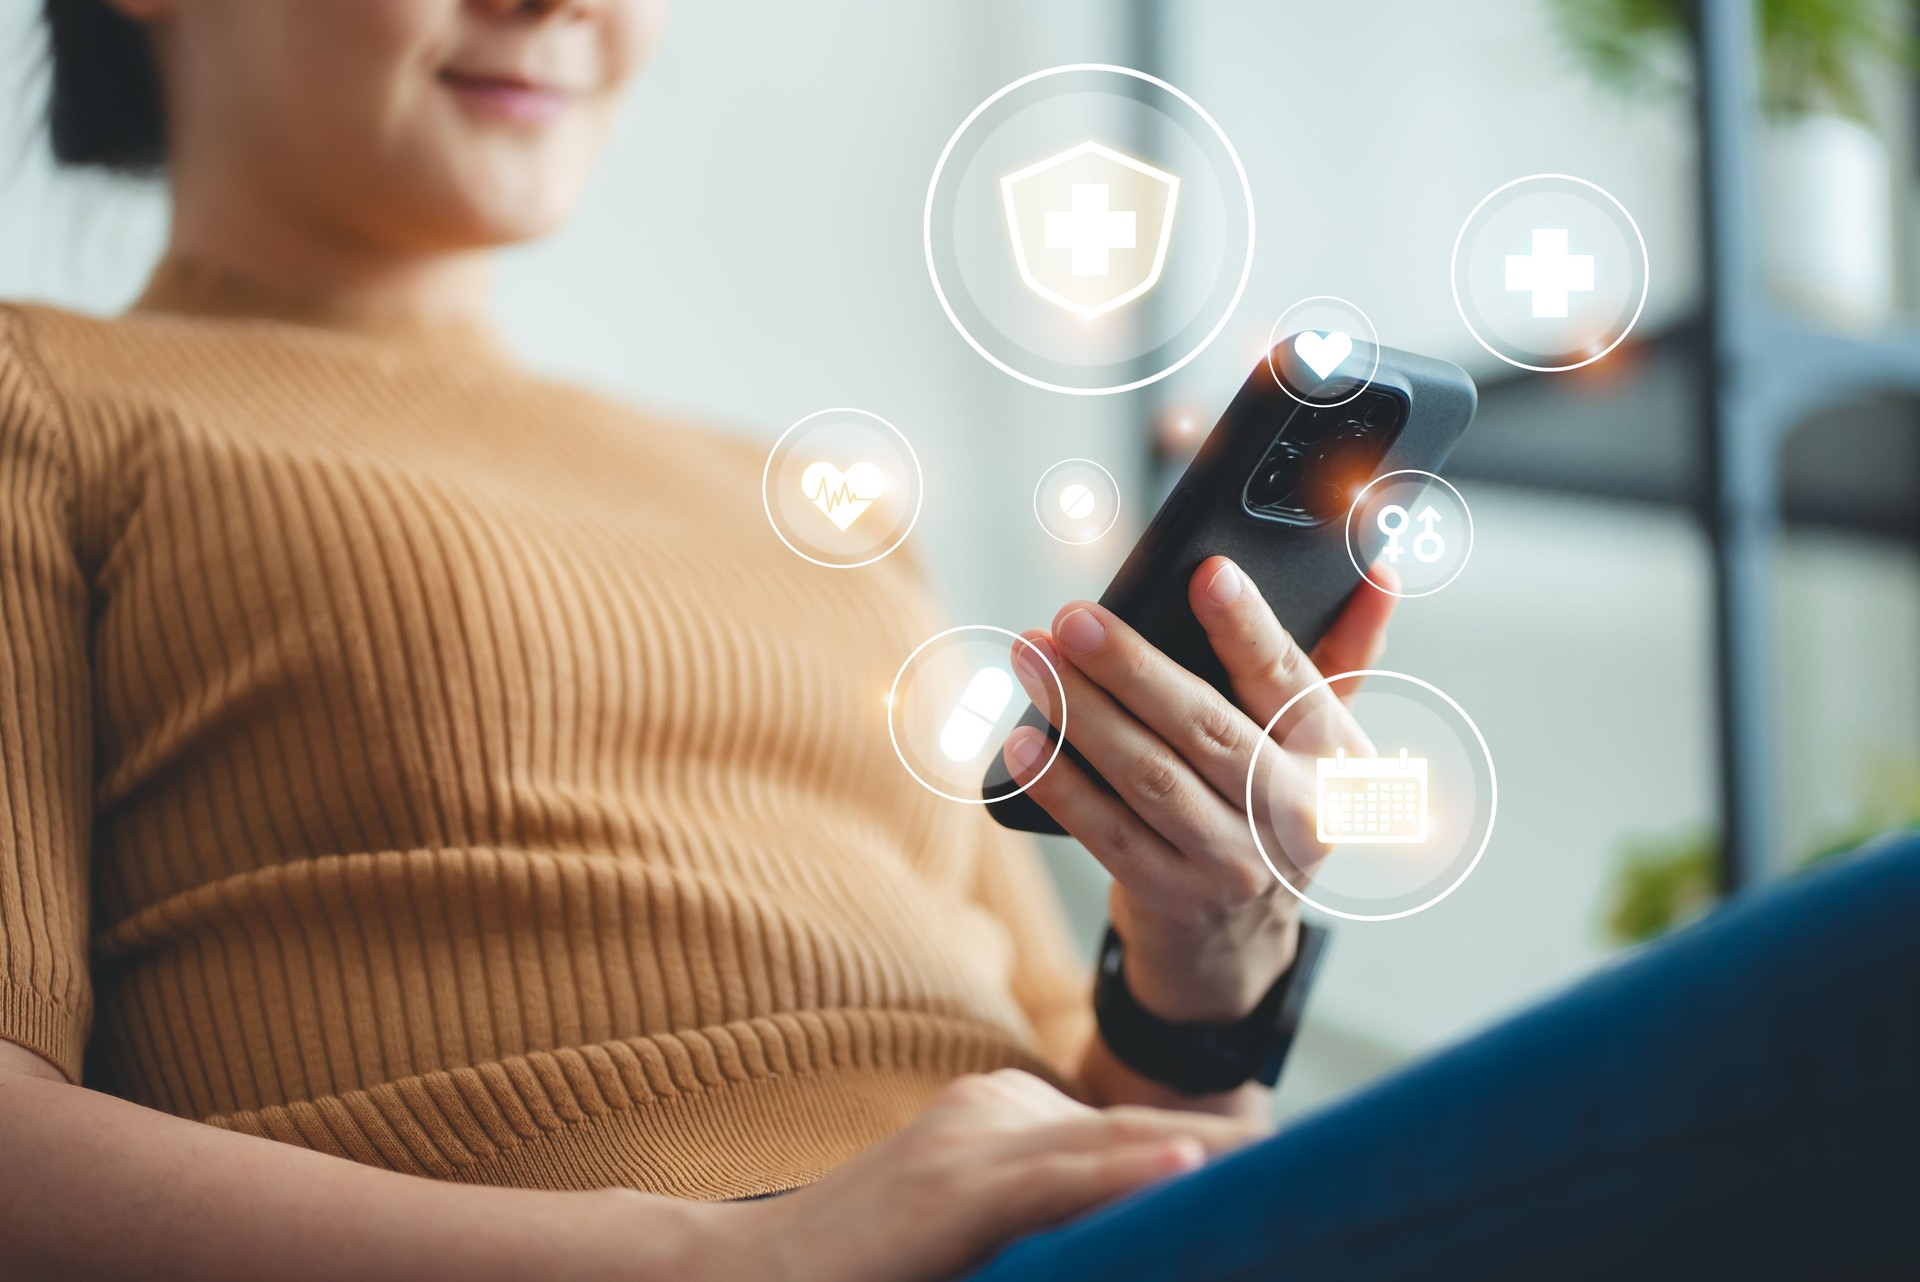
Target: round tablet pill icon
981	704
1077	502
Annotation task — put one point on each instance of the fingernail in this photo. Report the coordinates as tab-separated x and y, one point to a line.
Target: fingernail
1080	631
1023	748
1187	1154
1031	655
1226	583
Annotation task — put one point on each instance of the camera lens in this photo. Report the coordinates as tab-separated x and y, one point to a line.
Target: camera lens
1339	471
1309	426
1277	477
1381	412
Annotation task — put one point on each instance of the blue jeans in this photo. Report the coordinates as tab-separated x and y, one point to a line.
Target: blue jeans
1740	1101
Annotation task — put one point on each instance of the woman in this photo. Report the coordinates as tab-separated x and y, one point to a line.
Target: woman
411	768
420	764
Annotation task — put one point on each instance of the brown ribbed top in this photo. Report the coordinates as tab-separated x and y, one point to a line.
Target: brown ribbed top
412	759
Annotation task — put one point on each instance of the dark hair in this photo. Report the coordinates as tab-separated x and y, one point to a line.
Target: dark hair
104	105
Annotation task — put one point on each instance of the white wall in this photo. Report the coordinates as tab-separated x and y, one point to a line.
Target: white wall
1370	129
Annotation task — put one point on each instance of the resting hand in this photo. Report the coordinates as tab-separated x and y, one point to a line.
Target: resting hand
1207	927
995	1156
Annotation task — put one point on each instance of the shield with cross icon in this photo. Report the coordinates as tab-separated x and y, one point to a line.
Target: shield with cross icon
1090	227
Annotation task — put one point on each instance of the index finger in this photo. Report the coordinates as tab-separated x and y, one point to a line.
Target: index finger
1266	665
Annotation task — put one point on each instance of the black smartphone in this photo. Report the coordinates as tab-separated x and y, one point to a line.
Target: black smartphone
1270	488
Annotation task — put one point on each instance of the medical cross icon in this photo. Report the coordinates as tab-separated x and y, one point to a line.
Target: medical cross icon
1090	201
1549	273
1090	230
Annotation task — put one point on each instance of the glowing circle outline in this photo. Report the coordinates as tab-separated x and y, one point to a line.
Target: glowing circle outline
919	488
1486	753
1355	506
1037	485
1646	282
933	185
894	689
1273	335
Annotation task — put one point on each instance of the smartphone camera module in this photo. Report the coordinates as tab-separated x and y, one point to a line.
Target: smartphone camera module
1277	478
1322	459
1340	469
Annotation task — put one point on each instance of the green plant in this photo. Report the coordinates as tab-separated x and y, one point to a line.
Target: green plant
1663	881
1811	51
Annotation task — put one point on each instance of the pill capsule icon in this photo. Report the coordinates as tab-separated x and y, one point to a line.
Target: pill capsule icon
971	721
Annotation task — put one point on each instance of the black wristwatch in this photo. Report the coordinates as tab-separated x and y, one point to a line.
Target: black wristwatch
1205	1059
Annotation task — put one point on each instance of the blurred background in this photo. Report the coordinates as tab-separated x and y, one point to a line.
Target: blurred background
1690	630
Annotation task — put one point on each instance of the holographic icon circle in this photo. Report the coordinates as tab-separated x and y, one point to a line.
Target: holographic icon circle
955	700
1076	501
1414	522
1088	229
1372	795
1550	272
841	488
1323	351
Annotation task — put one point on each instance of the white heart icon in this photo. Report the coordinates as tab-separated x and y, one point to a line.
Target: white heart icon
1323	352
842	496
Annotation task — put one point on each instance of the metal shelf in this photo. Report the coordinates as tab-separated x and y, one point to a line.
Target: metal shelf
1762	376
1802	368
1630	434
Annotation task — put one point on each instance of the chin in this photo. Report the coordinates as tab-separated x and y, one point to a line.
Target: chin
496	222
504	198
468	215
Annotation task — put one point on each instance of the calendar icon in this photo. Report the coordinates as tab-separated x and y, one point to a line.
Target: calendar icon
1372	800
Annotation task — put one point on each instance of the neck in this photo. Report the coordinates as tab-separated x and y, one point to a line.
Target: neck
287	256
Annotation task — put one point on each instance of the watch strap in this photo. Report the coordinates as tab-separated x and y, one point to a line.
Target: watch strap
1205	1059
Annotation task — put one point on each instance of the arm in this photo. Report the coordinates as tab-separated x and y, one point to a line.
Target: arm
96	1187
120	1191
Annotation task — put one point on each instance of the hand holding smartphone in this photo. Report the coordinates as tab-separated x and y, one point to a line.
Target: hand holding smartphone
1270	488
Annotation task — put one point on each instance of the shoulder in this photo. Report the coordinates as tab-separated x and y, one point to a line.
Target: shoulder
27	328
29	399
73	357
19	357
81	379
40	469
88	358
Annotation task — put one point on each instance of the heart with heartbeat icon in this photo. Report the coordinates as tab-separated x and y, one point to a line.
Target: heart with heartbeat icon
842	496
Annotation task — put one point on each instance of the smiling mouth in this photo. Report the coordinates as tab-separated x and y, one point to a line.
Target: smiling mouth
508	98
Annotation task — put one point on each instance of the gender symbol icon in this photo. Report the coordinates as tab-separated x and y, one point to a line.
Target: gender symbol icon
1376	801
1428	545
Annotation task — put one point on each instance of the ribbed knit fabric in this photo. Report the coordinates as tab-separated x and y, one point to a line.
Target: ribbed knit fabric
415	760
